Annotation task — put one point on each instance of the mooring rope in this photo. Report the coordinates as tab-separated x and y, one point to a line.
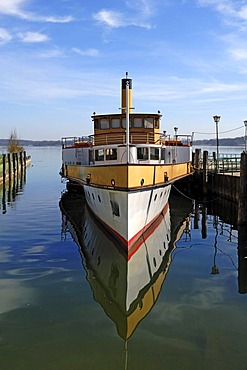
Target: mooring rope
195	200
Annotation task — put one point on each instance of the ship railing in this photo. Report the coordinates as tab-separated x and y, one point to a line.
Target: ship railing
76	142
176	140
120	138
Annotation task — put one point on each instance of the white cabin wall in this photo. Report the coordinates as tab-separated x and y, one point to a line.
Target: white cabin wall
75	156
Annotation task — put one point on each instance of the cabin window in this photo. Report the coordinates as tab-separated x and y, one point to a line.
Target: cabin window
137	122
142	154
111	154
96	124
154	153
156	123
91	156
163	153
148	122
99	155
124	122
115	123
104	124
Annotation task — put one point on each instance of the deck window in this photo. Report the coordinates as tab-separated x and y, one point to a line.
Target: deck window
91	156
163	154
156	123
111	154
96	123
154	153
137	122
142	154
115	123
148	122
104	124
124	122
99	155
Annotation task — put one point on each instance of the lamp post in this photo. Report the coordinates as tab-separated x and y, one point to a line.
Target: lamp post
217	120
245	135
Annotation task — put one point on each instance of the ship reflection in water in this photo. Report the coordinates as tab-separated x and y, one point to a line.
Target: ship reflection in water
127	287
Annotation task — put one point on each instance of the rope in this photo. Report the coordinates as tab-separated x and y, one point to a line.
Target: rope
221	132
195	200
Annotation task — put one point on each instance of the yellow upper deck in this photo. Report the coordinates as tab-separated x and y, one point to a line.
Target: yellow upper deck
144	128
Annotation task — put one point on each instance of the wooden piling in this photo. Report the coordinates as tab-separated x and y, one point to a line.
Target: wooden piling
9	167
205	172
4	168
197	160
242	196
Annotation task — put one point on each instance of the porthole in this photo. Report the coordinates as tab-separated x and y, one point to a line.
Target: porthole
99	198
154	260
142	182
155	197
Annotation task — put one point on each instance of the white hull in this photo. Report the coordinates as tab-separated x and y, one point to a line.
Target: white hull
127	214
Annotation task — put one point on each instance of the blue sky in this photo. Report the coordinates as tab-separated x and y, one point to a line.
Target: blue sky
61	60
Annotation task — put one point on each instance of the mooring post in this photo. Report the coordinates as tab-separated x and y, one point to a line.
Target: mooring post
205	172
242	194
21	160
242	259
25	158
17	162
14	163
9	166
4	168
197	159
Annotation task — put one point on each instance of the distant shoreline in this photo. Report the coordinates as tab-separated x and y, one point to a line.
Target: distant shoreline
28	143
237	141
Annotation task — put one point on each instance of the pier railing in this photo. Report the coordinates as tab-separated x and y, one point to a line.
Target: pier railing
226	164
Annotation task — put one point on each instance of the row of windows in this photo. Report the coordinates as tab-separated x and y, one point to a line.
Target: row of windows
110	154
136	122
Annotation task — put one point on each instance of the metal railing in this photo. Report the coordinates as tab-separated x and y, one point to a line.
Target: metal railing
120	138
228	163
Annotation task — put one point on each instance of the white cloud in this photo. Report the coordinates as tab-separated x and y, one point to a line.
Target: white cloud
239	54
5	36
228	8
33	37
137	15
15	8
51	53
88	52
110	18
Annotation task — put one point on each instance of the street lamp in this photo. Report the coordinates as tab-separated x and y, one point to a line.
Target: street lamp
245	135
217	120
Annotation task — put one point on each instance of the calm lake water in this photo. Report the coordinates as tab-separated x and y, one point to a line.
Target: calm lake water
62	285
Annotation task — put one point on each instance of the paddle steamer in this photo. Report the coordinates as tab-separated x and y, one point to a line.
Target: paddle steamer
127	168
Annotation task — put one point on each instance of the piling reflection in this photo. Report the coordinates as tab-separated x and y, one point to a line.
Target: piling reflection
225	222
11	187
126	288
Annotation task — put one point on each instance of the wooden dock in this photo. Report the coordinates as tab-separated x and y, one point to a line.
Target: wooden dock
225	178
12	164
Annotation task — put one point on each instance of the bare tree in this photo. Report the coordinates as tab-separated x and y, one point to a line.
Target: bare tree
14	144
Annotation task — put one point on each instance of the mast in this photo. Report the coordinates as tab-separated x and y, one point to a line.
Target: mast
126	107
127	122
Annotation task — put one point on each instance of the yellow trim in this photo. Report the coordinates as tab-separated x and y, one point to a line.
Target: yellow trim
128	176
